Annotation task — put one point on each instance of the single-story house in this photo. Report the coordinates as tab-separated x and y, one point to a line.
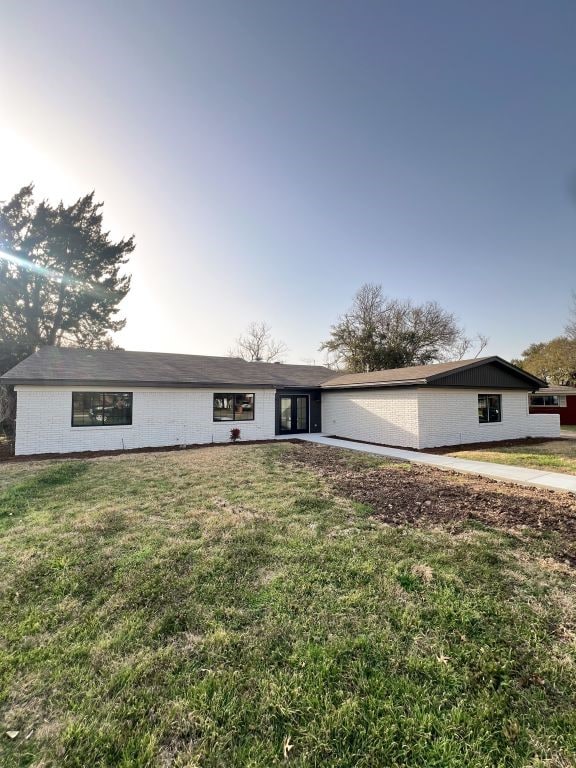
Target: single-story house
555	399
92	400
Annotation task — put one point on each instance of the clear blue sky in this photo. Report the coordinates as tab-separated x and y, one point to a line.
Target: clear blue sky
271	157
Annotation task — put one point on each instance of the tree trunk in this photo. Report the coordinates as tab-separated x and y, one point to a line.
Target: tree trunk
56	325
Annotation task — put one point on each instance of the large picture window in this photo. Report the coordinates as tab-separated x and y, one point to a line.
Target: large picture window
489	408
548	401
233	407
101	409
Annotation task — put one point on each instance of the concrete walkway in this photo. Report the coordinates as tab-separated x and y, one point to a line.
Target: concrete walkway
510	474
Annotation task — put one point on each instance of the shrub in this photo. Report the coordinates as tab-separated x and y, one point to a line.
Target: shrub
234	434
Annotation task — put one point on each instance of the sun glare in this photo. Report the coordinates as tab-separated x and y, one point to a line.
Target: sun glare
22	162
30	265
51	274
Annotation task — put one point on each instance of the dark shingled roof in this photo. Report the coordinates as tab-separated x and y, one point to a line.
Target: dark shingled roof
69	366
423	374
413	373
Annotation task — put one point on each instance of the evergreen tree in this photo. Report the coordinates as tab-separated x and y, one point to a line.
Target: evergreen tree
61	276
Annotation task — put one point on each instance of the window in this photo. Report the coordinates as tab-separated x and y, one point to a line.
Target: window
549	401
489	408
101	409
233	407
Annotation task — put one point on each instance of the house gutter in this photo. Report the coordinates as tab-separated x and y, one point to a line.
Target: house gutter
372	384
120	383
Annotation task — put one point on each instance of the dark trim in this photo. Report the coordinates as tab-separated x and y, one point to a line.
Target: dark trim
314	407
480	386
500	414
423	385
293	397
376	385
487	361
117	385
102	394
233	395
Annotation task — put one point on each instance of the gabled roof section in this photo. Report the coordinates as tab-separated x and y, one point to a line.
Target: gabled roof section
66	366
480	372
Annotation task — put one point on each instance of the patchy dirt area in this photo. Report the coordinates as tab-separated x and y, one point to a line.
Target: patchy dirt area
442	449
6	448
423	496
525	442
7	454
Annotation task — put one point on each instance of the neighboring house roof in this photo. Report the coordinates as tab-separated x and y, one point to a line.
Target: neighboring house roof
480	372
66	366
70	366
557	389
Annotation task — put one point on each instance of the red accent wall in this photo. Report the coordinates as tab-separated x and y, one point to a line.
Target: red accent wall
567	415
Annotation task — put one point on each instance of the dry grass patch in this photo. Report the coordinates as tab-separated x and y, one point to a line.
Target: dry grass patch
551	456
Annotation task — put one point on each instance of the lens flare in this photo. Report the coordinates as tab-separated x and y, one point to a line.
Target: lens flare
51	274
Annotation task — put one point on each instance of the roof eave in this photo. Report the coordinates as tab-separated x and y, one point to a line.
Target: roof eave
136	384
375	384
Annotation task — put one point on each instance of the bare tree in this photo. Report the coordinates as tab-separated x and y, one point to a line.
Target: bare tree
570	329
258	345
379	332
464	345
358	336
332	361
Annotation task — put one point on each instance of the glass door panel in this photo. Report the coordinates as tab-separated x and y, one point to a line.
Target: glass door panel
302	414
293	414
286	414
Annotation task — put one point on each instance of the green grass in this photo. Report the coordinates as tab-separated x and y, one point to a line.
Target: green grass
554	456
568	427
222	607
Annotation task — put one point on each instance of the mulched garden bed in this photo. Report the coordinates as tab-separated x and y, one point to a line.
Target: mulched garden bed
424	496
463	446
527	441
119	452
6	449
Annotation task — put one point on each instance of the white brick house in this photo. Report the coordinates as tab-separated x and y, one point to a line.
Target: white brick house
160	417
427	418
72	400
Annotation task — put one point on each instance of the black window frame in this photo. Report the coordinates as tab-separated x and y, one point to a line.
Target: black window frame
102	395
233	396
499	409
543	404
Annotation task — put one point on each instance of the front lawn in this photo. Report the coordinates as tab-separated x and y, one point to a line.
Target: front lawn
282	605
552	455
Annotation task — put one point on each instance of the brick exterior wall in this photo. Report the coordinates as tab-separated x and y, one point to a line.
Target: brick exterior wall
429	417
159	417
412	418
376	416
450	416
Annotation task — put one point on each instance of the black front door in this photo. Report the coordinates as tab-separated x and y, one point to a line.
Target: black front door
293	414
